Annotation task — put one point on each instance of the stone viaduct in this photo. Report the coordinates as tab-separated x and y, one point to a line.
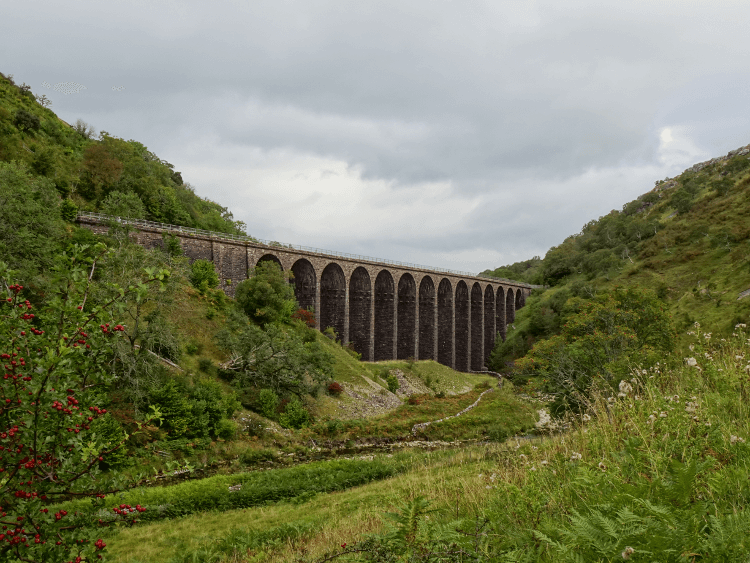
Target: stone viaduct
384	310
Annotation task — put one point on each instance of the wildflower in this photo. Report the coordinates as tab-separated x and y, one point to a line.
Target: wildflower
602	466
662	414
692	362
586	418
734	439
533	468
628	550
576	456
691	347
625	387
523	457
740	325
544	462
708	424
690	407
707	336
738	357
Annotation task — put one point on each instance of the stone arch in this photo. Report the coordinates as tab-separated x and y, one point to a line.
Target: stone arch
407	317
489	322
510	310
500	312
477	359
462	326
426	319
360	299
304	283
520	299
333	298
270	258
384	301
445	323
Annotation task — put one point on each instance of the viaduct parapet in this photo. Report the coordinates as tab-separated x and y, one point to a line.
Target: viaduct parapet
385	310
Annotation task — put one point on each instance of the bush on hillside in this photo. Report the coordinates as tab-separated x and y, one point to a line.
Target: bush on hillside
602	341
25	121
128	205
203	275
267	297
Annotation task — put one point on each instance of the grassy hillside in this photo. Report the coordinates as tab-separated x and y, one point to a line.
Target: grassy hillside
86	168
687	240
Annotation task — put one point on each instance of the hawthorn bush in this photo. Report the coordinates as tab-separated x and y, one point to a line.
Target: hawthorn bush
56	369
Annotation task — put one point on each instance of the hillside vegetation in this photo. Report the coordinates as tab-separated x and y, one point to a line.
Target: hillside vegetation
687	241
146	417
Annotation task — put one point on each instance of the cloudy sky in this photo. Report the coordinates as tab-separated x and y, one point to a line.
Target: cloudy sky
460	134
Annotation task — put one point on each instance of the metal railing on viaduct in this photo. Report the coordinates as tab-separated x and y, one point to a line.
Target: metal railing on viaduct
384	309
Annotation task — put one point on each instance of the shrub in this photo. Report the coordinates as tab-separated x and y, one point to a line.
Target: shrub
413	400
26	121
393	384
330	333
203	275
205	365
68	210
335	389
226	429
268	402
295	415
192	348
307	317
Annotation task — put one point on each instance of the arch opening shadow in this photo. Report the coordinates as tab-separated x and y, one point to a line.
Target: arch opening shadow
520	299
333	299
462	326
304	283
500	312
270	258
384	302
407	317
426	319
477	324
510	310
445	323
489	322
360	299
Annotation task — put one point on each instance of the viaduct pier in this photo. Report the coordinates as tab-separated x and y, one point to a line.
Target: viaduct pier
385	309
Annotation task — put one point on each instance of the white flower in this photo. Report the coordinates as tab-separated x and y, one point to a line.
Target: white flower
691	347
602	466
740	325
739	357
662	414
628	552
734	439
544	462
575	456
690	407
692	362
586	418
625	388
707	336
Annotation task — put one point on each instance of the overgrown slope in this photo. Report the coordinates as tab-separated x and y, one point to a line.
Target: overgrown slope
688	240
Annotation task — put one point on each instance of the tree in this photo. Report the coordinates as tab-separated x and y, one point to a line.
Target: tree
267	297
603	340
277	358
30	223
56	363
119	204
101	167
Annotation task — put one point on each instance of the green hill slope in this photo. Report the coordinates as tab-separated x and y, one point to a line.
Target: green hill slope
688	240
